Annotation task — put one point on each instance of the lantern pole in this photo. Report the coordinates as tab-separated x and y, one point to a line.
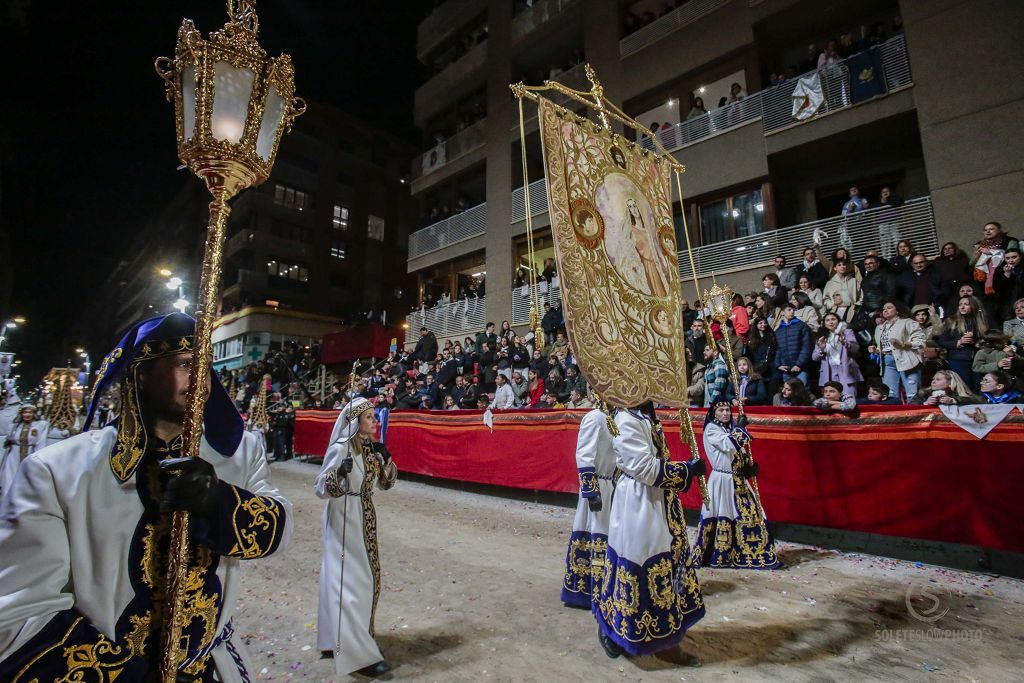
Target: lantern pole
229	155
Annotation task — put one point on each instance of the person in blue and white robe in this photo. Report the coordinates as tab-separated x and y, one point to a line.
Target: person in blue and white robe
732	533
85	530
26	436
649	594
595	465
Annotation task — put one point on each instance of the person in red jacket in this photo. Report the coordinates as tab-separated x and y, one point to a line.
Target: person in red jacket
536	389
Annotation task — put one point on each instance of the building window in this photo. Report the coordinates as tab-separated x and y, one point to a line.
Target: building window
291	198
340	218
288	271
375	228
290	231
728	218
337	249
227	349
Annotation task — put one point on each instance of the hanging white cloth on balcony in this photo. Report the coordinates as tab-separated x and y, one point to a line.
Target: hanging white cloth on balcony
807	97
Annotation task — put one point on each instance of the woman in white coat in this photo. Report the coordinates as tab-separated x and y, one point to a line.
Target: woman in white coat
732	533
350	575
26	436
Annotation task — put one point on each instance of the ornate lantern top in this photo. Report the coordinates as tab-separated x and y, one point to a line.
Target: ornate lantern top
232	103
719	302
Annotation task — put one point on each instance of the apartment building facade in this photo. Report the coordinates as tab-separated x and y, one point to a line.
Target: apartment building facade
942	128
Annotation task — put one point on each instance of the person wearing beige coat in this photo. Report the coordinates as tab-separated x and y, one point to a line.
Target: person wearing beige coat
842	292
898	341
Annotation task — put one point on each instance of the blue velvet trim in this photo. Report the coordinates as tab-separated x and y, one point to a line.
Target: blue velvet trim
589	485
245	525
583	559
673	475
648	608
724	543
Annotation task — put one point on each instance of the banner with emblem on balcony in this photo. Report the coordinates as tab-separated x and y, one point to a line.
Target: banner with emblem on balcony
610	207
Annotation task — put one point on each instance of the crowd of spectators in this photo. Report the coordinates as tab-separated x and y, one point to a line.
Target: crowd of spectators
634	21
835	332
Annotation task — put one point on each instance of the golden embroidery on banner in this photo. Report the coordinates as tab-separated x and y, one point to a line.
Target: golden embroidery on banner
611	217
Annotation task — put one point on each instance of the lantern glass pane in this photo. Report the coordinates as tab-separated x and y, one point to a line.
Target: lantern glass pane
273	114
231	90
188	100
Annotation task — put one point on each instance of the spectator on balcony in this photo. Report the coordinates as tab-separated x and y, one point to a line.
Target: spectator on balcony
842	292
736	93
785	275
764	308
520	388
716	372
535	389
829	56
471	397
503	359
947	388
751	385
878	285
805	310
878	394
457	390
504	397
521	279
538	363
447	370
810	60
834	398
920	285
1008	284
794	346
689	315
953	267
989	254
740	319
900	261
507	332
487	364
551	321
1014	327
813	293
550	272
812	268
834	350
698	109
855	202
426	346
793	393
899	341
998	387
777	294
842	254
874	38
486	337
960	336
847	46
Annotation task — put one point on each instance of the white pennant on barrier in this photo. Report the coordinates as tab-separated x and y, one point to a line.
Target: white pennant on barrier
979	420
489	419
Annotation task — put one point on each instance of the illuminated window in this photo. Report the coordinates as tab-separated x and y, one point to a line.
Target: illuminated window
340	218
337	249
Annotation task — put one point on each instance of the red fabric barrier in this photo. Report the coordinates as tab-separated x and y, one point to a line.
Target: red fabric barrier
361	342
898	471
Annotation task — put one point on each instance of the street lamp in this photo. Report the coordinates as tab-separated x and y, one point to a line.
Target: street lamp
232	105
10	325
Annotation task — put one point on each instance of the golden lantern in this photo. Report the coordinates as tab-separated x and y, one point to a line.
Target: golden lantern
232	104
719	302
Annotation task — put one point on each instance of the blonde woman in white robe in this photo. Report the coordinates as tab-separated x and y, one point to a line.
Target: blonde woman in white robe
26	436
350	574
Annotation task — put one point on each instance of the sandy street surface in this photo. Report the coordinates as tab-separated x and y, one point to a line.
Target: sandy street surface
471	586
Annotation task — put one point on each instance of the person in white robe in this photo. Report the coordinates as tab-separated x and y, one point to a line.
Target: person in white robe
350	573
11	406
85	531
649	593
26	436
733	532
595	466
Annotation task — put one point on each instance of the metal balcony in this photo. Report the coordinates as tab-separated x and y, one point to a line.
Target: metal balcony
542	12
462	143
451	230
669	23
456	318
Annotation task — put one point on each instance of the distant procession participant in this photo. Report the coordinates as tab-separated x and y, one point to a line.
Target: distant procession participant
732	533
26	436
649	594
62	417
595	465
350	574
85	532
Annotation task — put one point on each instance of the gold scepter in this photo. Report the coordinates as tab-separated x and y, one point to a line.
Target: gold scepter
232	105
719	302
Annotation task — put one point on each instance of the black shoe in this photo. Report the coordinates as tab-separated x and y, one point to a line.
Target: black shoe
374	670
610	648
326	654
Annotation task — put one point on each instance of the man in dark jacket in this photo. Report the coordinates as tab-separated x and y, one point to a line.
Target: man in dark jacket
920	285
795	346
458	390
447	369
1009	284
488	337
426	347
812	268
551	321
877	287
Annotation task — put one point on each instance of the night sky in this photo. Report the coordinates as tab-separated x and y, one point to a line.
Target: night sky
87	149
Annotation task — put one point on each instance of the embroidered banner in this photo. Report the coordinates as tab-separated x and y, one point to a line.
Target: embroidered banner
979	420
611	221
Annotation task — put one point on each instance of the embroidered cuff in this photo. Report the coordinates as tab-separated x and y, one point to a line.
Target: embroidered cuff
589	486
333	485
673	475
245	525
740	437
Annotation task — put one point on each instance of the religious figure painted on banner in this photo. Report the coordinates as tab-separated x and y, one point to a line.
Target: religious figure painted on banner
610	205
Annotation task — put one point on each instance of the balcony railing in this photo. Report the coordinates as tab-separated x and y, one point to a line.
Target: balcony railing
456	318
774	106
541	12
267	242
462	143
521	300
538	201
879	228
454	229
662	26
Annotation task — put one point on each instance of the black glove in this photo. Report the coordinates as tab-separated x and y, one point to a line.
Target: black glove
190	485
381	450
594	504
697	467
748	471
742	421
346	466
